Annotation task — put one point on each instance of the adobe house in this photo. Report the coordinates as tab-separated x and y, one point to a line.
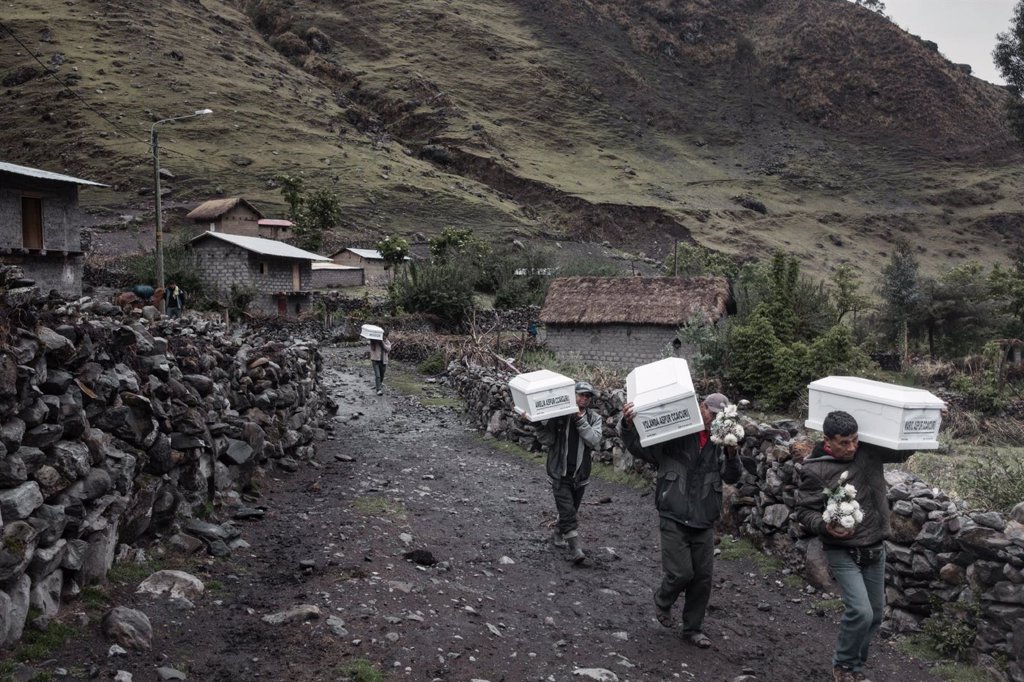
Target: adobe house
41	226
274	228
233	215
280	274
628	321
369	260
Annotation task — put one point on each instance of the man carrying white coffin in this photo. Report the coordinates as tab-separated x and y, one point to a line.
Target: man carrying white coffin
842	498
570	440
691	470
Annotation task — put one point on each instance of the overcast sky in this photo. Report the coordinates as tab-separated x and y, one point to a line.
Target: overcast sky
964	29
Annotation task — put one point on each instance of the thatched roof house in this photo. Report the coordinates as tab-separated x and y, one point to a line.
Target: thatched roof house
233	215
628	320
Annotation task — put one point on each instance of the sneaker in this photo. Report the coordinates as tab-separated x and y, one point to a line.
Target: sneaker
380	391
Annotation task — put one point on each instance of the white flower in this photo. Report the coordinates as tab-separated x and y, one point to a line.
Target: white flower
730	411
843	476
827	516
858	515
855	503
729	440
850	490
739	431
845	508
846	521
716	440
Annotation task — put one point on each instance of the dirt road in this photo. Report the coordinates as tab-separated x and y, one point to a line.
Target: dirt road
490	598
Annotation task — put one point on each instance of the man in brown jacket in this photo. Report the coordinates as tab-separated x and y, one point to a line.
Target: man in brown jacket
856	556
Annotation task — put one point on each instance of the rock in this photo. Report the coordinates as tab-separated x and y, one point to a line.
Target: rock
13	471
337	626
238	452
19	503
178	584
166	673
45	594
599	674
300	613
18	594
46	560
128	627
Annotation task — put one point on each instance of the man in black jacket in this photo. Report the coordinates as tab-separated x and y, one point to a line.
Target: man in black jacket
691	470
856	555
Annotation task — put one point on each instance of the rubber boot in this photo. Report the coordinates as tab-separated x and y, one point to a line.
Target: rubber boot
575	553
558	540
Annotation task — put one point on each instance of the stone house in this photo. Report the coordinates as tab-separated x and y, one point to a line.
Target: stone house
280	274
628	321
233	215
369	260
331	275
41	226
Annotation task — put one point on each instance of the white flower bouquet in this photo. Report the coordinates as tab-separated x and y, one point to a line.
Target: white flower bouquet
726	428
842	508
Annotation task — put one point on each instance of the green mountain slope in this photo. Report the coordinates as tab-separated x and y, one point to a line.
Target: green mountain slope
636	122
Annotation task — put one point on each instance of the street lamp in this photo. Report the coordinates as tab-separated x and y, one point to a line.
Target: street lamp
156	183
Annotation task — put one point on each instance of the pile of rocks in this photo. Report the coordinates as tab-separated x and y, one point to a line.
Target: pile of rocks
940	553
112	427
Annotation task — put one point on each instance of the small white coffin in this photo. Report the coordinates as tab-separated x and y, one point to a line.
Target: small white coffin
666	404
895	417
371	332
543	395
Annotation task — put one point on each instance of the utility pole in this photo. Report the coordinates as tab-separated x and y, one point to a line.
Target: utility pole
158	242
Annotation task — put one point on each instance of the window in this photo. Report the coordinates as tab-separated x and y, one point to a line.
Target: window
264	269
32	222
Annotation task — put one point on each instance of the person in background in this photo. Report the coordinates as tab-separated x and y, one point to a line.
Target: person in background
688	498
379	351
856	556
570	442
531	329
175	297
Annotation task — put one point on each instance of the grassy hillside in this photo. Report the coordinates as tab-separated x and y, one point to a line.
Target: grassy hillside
636	122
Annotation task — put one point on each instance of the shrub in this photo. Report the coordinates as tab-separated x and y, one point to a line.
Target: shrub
994	480
240	298
434	364
318	40
440	290
179	266
289	44
951	629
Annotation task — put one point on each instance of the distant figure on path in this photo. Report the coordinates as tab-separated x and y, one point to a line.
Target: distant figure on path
379	351
175	300
531	329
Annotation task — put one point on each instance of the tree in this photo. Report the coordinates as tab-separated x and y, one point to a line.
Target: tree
393	250
847	296
901	290
319	214
873	5
1007	285
1009	59
291	190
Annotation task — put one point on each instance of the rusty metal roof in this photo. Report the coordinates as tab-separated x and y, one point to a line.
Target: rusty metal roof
45	175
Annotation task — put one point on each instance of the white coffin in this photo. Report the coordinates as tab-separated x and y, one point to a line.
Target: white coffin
371	332
543	395
896	417
666	404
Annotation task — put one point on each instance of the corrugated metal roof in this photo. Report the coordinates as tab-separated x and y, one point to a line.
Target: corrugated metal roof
274	222
368	254
45	175
267	247
334	266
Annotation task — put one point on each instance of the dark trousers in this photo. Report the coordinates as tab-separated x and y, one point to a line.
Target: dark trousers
567	502
687	559
378	373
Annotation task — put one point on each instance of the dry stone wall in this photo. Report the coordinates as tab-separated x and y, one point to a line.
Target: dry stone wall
943	560
112	428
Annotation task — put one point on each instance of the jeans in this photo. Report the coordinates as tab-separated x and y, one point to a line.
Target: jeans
687	559
864	596
378	374
567	502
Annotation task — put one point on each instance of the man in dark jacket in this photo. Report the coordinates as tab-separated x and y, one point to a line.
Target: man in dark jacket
691	470
856	556
570	440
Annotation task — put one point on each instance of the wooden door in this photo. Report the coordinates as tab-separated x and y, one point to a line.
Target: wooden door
296	277
32	222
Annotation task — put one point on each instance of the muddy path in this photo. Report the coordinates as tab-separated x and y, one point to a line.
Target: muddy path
489	599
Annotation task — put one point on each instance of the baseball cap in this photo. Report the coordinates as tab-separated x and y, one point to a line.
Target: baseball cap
715	402
585	387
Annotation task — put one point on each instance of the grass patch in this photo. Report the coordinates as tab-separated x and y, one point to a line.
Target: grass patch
794	581
985	477
376	505
737	549
94	598
214	585
830	606
510	448
132	573
958	672
921	647
411	384
361	670
607	472
38	645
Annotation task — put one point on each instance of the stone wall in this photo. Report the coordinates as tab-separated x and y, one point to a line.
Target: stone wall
323	279
112	428
613	344
939	553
